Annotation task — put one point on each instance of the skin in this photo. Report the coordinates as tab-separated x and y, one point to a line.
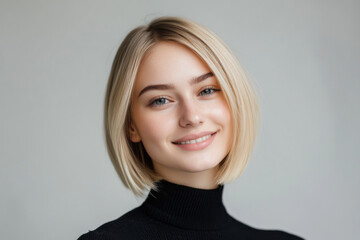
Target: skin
161	116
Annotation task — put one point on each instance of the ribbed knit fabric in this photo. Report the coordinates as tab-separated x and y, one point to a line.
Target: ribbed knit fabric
180	212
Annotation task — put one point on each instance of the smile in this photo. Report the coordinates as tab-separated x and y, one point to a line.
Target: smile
195	144
201	139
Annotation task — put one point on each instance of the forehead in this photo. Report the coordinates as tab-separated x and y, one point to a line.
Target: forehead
169	62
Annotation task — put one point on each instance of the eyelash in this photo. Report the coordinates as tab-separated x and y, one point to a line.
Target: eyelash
213	90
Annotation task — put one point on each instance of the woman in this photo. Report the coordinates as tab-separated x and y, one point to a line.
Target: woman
181	118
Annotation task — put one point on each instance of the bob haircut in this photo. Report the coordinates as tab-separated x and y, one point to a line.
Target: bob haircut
132	163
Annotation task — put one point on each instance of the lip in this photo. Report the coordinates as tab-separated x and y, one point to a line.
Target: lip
196	146
193	136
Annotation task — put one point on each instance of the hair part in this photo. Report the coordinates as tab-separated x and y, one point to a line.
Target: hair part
131	161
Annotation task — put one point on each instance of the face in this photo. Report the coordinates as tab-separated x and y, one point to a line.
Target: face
179	112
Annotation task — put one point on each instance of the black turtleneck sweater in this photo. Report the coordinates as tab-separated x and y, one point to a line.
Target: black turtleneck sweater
181	212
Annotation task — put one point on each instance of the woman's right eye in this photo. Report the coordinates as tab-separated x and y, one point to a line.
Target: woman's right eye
158	102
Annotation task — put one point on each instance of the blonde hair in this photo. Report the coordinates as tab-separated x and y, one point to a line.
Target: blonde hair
130	160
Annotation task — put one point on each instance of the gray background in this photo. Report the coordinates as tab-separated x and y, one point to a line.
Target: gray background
56	180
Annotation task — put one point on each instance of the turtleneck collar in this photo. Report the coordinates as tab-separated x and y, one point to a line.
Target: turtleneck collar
187	207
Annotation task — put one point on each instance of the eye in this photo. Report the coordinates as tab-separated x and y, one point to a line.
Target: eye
158	101
208	91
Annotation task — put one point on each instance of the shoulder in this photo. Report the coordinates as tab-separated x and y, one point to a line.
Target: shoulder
277	234
238	227
125	227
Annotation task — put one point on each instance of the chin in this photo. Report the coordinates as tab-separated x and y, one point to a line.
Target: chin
200	165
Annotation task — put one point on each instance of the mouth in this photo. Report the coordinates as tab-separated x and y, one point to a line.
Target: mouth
195	142
194	139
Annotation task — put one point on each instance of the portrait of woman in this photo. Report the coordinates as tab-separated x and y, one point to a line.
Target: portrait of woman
181	119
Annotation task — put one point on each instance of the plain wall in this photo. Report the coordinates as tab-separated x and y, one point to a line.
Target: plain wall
56	180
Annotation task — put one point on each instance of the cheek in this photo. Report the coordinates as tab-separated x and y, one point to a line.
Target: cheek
221	112
222	116
154	127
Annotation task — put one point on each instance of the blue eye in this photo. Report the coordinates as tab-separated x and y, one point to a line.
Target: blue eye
159	101
209	91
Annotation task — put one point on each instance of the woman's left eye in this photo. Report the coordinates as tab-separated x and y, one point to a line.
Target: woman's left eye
209	91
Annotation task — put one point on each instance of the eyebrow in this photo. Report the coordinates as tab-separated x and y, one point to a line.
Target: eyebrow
193	81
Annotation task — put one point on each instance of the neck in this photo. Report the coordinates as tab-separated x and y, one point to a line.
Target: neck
187	207
201	180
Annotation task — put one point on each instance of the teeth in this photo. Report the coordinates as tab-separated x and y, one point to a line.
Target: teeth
196	140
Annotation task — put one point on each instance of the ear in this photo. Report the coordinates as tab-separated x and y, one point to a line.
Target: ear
134	135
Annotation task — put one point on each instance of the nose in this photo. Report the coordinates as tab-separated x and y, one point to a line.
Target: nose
190	114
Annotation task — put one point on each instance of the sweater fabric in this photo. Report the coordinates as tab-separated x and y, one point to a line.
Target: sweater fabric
181	212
